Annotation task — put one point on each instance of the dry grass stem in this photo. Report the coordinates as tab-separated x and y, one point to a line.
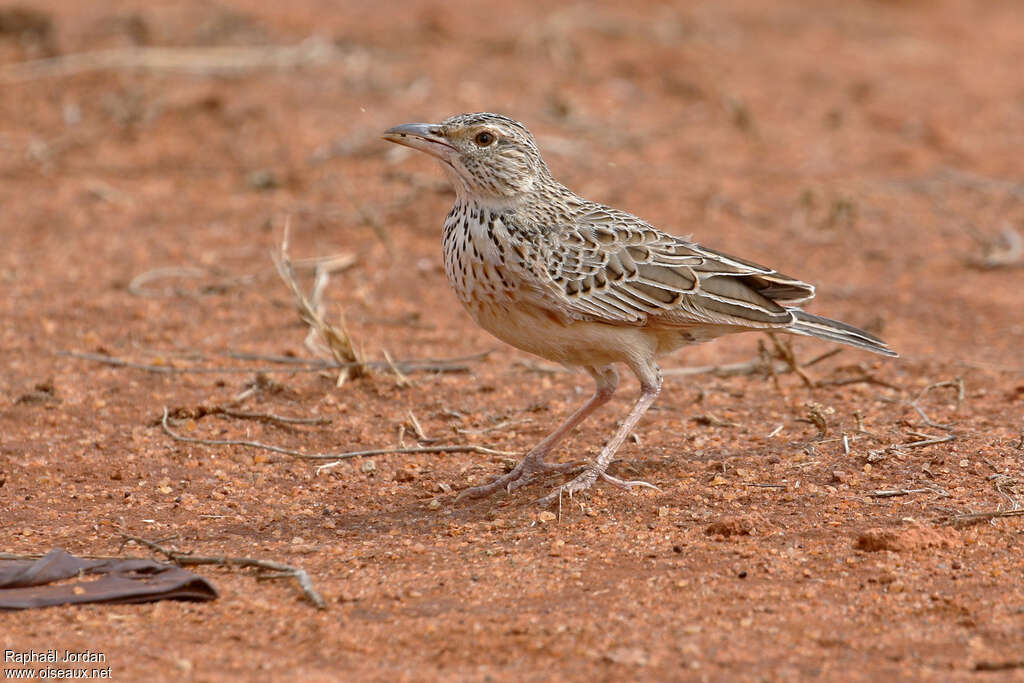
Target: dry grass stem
164	423
322	337
400	379
417	428
334	263
927	442
137	285
961	393
204	61
958	384
1006	486
712	420
451	448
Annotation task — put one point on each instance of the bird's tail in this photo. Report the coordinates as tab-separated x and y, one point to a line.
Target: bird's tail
833	330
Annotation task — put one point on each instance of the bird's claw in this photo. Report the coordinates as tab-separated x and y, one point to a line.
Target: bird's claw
585	480
624	484
522	475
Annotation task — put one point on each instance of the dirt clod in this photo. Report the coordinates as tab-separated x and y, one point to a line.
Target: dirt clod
731	526
901	539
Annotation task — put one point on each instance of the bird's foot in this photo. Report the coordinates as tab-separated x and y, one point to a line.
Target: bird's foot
624	484
523	473
585	479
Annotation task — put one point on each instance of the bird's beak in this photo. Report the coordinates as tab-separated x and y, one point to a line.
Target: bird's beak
426	137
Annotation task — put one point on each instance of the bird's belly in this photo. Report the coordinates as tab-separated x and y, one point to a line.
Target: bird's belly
495	304
569	342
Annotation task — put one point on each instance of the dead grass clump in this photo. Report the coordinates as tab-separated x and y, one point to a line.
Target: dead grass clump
323	337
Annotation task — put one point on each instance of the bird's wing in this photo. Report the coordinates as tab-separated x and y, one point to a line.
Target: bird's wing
610	266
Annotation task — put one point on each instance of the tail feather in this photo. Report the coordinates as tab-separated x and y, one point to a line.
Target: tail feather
833	330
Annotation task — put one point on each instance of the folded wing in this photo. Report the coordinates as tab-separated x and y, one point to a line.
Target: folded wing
609	266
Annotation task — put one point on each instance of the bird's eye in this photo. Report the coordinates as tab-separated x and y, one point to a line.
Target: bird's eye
484	138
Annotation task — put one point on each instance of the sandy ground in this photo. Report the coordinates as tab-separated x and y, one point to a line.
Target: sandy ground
873	148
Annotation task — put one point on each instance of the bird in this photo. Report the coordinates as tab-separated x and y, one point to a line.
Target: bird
589	286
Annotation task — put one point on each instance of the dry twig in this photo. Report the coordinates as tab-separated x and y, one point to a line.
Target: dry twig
326	456
927	442
977	517
891	493
452	448
961	395
311	364
958	384
880	453
784	350
862	376
284	570
202	411
767	363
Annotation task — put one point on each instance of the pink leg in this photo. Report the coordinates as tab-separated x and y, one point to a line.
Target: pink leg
650	383
607	382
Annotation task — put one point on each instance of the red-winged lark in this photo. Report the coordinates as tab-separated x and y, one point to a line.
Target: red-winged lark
586	285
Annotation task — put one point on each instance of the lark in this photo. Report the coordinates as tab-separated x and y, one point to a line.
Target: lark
588	286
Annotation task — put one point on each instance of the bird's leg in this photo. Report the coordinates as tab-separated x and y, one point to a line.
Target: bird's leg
607	380
650	387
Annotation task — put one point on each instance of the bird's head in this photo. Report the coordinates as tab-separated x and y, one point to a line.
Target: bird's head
487	156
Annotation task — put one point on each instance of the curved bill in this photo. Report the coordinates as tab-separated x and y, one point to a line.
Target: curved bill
426	137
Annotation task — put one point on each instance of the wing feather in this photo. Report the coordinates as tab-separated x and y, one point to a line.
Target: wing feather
610	266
